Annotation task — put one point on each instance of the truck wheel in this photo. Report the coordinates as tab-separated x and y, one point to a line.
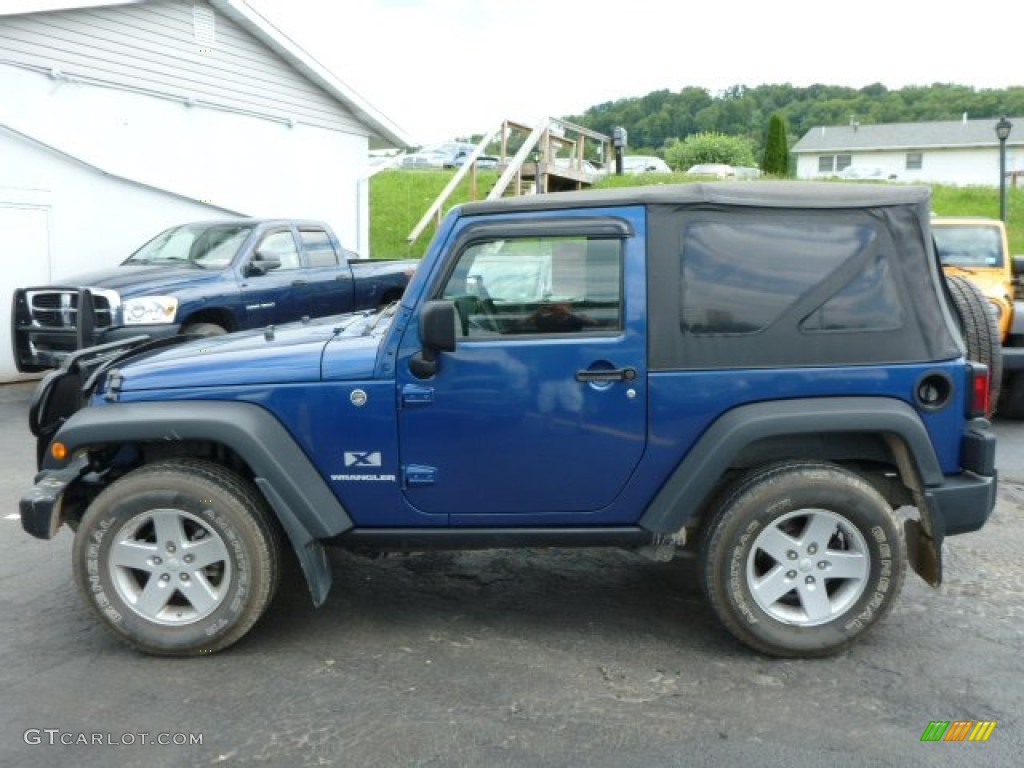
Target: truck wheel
177	558
980	331
802	558
203	329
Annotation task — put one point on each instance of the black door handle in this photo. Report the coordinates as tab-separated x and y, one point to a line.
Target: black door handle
610	374
297	283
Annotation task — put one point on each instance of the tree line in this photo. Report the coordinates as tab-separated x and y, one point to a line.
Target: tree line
661	118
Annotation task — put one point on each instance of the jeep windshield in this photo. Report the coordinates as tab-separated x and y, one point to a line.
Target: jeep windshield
968	246
210	246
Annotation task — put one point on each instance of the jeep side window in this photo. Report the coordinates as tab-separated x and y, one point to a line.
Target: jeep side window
537	285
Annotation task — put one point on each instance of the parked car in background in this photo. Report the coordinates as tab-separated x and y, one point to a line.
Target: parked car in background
447	155
425	159
746	172
644	164
718	170
865	173
484	161
585	166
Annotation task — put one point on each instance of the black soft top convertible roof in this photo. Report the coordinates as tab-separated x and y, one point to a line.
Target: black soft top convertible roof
756	194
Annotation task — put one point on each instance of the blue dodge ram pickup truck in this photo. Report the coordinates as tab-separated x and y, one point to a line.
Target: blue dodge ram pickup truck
757	375
205	278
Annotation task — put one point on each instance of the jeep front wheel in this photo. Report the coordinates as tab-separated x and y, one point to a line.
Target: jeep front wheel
177	558
802	559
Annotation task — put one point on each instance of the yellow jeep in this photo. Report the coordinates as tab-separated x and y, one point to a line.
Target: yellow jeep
977	249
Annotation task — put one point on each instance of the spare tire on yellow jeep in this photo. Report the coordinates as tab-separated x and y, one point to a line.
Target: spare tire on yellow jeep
980	331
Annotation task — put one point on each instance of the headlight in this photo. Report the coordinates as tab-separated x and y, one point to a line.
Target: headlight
149	310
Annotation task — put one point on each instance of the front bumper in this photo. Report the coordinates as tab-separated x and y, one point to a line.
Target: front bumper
41	505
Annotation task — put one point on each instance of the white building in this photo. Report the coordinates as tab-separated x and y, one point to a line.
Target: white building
119	119
958	152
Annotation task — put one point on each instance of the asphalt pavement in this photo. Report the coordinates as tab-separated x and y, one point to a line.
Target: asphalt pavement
508	658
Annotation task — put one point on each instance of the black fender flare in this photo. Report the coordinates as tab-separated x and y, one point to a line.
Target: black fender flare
304	504
687	489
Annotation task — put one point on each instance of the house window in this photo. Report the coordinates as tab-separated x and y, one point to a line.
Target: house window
833	163
914	161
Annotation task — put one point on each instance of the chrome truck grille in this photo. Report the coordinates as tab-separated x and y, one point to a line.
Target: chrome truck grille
59	309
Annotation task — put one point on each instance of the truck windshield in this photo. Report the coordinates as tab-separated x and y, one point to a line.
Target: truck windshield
210	246
969	246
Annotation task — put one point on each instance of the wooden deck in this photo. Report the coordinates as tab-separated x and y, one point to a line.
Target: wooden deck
553	153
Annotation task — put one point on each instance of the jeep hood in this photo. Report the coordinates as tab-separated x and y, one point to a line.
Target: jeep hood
140	280
289	354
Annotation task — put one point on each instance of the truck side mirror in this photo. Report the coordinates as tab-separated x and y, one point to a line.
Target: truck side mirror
262	262
1018	265
437	334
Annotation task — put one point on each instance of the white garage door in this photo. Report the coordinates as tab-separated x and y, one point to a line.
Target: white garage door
25	233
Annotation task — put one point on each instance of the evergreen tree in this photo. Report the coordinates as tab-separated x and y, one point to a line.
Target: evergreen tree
775	161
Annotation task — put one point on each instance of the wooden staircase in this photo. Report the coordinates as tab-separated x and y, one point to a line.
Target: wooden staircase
552	158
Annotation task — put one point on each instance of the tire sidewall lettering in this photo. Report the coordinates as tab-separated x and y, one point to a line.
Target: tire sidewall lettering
122	617
764	497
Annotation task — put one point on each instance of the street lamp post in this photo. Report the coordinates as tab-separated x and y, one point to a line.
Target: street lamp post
1003	128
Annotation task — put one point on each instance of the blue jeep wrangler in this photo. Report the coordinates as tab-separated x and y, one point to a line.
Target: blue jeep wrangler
759	375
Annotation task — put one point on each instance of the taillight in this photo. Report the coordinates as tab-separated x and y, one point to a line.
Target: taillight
981	391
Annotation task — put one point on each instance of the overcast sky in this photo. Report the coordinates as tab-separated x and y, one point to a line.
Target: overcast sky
446	68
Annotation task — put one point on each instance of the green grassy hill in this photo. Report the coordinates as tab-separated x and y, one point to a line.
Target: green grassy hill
399	198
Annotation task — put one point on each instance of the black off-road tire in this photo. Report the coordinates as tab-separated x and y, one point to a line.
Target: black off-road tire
980	331
790	508
140	557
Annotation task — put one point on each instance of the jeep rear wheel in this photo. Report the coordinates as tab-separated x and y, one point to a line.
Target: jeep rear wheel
802	559
177	558
980	331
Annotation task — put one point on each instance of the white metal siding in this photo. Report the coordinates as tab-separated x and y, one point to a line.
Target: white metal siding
152	47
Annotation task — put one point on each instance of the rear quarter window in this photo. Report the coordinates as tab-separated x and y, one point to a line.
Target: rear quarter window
743	277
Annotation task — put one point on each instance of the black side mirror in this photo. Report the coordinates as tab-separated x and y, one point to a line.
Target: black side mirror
437	334
262	263
1018	266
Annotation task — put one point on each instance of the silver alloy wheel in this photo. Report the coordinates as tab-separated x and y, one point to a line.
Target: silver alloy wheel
807	567
170	567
